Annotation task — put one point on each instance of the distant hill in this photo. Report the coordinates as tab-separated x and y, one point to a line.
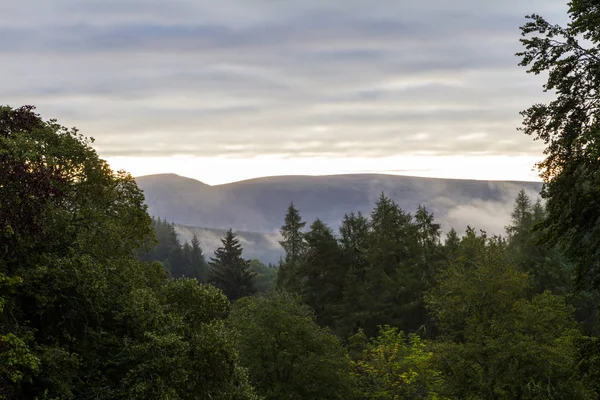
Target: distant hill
256	208
259	205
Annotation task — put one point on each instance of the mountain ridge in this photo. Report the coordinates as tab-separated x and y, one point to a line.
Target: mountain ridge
256	207
259	205
284	177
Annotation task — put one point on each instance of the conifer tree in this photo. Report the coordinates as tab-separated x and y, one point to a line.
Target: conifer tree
294	244
354	232
229	271
451	244
547	267
428	238
354	237
322	272
393	279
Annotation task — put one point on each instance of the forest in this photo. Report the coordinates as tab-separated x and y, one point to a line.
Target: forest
98	300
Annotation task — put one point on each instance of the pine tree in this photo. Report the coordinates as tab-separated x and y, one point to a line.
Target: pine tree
428	238
354	237
394	278
322	273
451	244
294	244
167	250
522	220
229	271
546	265
354	232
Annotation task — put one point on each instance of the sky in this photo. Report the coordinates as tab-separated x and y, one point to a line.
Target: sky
227	90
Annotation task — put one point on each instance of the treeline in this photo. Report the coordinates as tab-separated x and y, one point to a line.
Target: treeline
470	316
187	260
380	267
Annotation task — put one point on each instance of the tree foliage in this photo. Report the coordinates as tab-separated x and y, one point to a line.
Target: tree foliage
294	244
498	343
229	271
288	355
80	315
569	126
185	260
394	366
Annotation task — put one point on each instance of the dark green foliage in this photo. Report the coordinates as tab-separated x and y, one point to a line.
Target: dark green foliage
354	236
294	245
569	126
229	271
398	262
451	245
288	355
181	261
589	361
266	276
186	350
196	260
80	316
322	273
374	273
547	267
497	343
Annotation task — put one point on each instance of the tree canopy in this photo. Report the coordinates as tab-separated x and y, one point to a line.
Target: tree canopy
569	125
80	316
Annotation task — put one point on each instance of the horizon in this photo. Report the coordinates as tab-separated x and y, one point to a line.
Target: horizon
482	168
328	175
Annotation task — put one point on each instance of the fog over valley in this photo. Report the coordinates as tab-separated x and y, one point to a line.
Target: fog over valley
255	208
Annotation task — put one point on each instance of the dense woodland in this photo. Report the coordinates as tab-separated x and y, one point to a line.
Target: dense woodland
100	301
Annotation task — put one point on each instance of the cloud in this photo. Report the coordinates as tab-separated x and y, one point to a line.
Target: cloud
253	77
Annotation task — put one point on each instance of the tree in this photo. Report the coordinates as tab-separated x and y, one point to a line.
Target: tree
186	351
395	367
496	342
451	244
288	355
354	232
428	238
354	242
322	273
547	266
167	250
229	271
569	125
294	245
394	277
80	315
266	275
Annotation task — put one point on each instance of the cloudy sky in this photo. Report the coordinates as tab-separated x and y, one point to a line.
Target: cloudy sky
227	90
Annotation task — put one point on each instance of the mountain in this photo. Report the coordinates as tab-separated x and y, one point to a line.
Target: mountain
259	205
255	208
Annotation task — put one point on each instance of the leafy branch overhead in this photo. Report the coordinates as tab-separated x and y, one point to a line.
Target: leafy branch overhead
569	125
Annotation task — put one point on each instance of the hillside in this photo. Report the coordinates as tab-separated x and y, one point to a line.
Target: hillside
256	208
259	205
